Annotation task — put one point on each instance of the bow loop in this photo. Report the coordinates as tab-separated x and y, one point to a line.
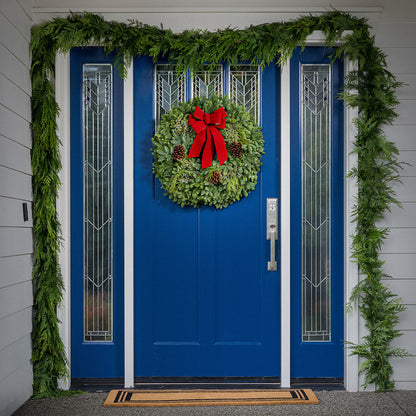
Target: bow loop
206	127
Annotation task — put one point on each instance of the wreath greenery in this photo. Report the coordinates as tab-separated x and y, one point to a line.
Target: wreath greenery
183	179
371	88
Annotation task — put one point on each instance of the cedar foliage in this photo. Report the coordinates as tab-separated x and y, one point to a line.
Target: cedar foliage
371	89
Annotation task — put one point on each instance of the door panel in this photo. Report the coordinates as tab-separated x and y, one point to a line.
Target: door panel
97	338
316	215
205	303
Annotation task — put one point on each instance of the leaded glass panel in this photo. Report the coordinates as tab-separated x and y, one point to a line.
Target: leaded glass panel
316	203
207	83
245	88
98	205
170	89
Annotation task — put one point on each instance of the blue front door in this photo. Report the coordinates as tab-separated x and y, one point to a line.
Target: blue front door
205	304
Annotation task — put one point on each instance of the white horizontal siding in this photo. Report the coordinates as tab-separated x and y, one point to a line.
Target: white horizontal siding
15	298
15	389
15	156
12	353
12	213
14	184
12	38
15	241
15	269
16	292
15	127
13	69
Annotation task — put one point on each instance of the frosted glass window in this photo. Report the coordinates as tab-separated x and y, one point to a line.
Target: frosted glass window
316	202
98	201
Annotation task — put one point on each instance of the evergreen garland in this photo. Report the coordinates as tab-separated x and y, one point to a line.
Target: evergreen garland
371	89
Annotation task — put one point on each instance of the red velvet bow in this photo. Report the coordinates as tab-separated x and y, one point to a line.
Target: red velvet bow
206	128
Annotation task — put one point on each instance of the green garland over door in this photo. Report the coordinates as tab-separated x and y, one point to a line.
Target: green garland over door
371	89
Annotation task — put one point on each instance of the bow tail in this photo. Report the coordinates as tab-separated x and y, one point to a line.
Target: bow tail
198	143
220	147
208	153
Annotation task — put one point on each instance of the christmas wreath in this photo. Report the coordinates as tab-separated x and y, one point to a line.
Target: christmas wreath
207	152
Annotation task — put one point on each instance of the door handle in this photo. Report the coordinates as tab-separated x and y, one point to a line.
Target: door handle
271	232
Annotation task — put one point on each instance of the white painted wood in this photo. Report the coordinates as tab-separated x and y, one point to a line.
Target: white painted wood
404	33
15	390
15	326
285	274
14	70
15	156
406	190
407	113
15	184
404	288
351	275
407	341
404	369
15	127
400	60
405	385
26	5
15	298
400	240
407	91
400	265
15	269
14	98
402	136
12	356
62	95
14	41
12	213
407	319
128	231
401	216
15	241
16	292
17	17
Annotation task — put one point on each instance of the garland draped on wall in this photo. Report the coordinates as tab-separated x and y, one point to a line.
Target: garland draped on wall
371	89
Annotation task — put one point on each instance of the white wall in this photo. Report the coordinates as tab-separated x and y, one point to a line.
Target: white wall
15	188
394	23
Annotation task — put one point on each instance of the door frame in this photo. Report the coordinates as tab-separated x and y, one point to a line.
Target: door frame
351	276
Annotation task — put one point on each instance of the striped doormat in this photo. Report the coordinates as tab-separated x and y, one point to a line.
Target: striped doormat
159	398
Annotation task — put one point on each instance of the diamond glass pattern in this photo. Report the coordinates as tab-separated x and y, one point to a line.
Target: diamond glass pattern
207	83
170	89
98	206
245	88
316	203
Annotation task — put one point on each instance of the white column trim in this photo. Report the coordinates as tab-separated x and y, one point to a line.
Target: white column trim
351	275
128	231
63	208
285	226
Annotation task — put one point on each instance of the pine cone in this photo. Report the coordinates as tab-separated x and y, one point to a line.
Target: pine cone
216	177
236	149
178	152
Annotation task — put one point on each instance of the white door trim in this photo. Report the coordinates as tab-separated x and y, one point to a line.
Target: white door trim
128	230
